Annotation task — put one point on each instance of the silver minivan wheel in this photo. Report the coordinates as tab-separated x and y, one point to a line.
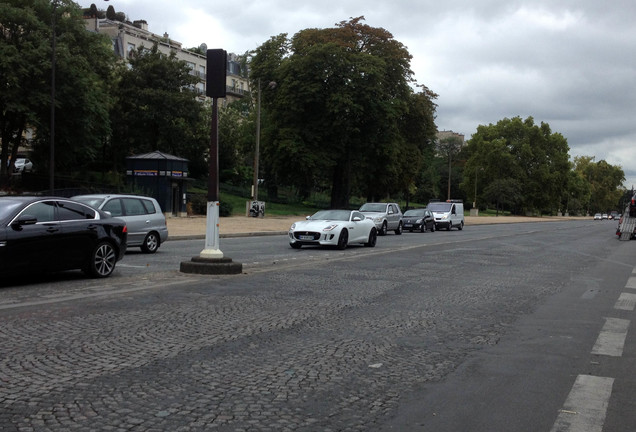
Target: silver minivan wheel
151	243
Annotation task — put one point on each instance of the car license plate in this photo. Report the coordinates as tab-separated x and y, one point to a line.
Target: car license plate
408	225
305	237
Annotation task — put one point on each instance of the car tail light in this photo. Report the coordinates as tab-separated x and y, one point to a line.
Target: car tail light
125	229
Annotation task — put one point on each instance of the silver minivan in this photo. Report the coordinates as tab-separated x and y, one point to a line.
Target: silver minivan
146	223
387	216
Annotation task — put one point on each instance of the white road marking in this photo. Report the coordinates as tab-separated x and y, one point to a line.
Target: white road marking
626	302
84	295
611	340
132	265
586	405
631	282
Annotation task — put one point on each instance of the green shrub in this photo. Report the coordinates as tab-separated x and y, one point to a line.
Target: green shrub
198	203
225	208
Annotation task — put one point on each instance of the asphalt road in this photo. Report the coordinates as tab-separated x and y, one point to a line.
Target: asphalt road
523	327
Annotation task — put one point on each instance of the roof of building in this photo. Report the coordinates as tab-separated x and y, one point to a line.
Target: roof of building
157	155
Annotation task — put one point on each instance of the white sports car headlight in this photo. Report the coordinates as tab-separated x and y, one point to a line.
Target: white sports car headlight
293	227
330	227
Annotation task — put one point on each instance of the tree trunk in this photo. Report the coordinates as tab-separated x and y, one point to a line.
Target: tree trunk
341	187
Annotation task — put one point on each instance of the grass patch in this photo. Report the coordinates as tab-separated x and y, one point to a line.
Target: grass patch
490	212
305	208
271	209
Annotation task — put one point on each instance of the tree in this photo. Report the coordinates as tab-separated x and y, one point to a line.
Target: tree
605	183
92	10
447	147
577	195
530	154
157	109
236	140
85	61
505	193
110	13
334	120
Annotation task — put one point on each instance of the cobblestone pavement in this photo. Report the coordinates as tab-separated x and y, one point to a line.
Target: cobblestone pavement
321	347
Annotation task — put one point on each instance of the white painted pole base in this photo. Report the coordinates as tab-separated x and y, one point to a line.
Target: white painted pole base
212	232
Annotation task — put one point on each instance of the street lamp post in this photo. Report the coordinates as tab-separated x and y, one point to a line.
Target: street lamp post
258	142
257	145
475	210
475	200
52	135
449	175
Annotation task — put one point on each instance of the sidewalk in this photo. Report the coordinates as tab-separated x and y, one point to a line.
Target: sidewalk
194	227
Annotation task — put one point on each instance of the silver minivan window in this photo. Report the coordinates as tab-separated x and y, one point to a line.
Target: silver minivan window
150	207
134	207
114	207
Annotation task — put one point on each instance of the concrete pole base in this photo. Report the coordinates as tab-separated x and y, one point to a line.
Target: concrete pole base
211	266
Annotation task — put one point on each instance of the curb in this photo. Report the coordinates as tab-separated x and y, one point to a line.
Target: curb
272	233
230	235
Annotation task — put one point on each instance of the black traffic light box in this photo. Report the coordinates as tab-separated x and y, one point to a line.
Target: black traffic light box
216	65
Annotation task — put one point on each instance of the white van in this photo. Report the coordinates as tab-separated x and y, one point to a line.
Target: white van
448	214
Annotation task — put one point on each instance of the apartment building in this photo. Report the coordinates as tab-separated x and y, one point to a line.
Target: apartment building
450	134
127	37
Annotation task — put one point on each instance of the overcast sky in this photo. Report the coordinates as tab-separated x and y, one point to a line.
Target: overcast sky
571	64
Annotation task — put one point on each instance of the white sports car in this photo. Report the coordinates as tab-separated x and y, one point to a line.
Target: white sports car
333	228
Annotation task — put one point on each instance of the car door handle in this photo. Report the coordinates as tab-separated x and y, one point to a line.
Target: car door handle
52	229
92	227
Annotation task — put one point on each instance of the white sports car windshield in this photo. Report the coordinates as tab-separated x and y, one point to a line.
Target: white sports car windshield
333	215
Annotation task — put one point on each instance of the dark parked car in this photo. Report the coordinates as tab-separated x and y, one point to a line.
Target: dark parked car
46	234
418	219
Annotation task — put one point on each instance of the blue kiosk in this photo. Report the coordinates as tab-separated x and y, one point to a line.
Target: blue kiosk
161	176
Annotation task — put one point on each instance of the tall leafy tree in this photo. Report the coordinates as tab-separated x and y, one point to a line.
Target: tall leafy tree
417	128
236	143
576	197
157	108
520	150
334	118
83	62
605	183
24	44
448	148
